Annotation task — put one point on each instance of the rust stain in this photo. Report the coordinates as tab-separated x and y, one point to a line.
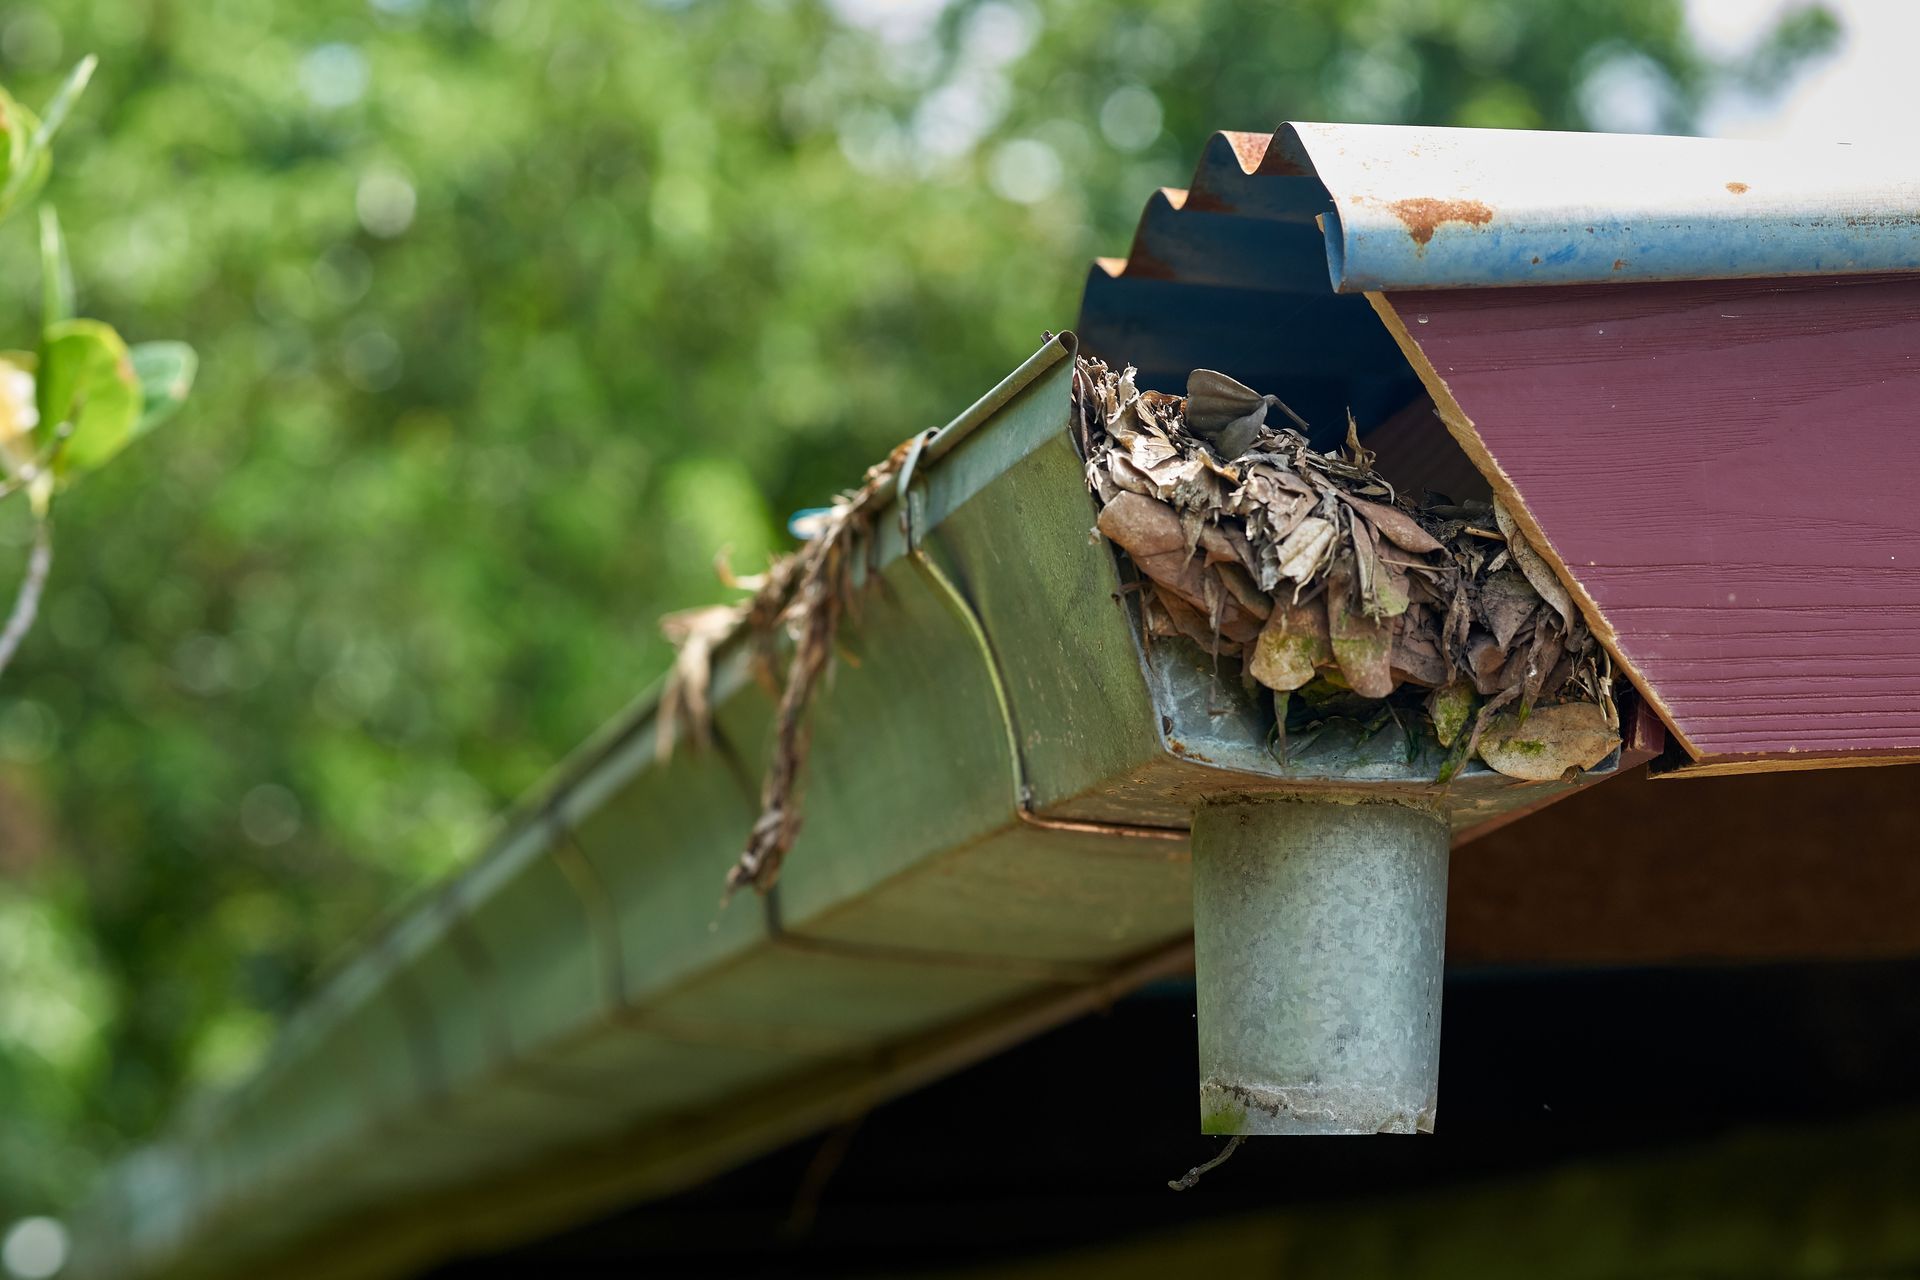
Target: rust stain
1248	148
1277	164
1619	263
1536	259
1738	188
1424	214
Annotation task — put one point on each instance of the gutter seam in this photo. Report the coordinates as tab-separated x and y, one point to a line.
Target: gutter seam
1051	972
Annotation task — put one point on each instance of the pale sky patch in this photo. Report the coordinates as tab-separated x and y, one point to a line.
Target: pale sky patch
1861	92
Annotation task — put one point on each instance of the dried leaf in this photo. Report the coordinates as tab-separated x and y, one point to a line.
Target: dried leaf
1193	625
1239	584
1153	612
1225	542
1364	566
1458	622
1390	588
1543	579
1224	410
1393	524
1293	645
1416	655
684	702
805	594
1382	586
1548	743
1543	660
1485	660
1153	535
1362	646
1507	600
1305	548
1150	532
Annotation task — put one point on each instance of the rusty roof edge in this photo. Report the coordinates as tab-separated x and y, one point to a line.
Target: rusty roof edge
1434	208
1402	207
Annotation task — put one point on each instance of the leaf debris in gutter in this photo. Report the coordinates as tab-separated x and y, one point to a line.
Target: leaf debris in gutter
1335	592
803	595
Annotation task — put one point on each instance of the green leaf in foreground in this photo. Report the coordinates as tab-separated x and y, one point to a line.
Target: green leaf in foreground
23	164
165	373
86	380
62	101
56	272
26	138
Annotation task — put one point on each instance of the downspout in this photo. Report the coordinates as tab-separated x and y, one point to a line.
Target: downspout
1319	930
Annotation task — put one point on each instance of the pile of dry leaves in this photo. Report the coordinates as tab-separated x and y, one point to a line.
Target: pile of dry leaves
1333	589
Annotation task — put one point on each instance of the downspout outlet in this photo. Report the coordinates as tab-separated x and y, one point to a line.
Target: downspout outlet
1319	939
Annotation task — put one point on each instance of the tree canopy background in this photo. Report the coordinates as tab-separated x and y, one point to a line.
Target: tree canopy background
511	314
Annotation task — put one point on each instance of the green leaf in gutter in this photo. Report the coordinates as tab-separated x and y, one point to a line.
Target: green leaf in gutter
1451	706
86	382
165	371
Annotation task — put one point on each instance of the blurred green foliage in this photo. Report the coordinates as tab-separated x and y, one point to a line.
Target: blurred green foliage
80	395
511	314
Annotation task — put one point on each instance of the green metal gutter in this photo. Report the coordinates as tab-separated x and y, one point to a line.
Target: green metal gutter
996	805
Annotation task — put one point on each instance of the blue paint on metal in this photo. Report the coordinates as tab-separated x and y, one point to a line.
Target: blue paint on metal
1411	208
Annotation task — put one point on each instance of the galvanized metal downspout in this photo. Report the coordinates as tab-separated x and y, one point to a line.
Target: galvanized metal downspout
1319	931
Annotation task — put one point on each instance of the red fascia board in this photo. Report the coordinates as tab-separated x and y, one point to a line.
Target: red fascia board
1725	475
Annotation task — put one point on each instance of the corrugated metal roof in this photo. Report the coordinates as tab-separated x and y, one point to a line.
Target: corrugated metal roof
1443	208
1231	274
1257	266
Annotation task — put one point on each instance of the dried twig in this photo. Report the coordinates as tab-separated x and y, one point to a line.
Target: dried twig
26	604
804	595
1191	1177
827	1159
694	634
